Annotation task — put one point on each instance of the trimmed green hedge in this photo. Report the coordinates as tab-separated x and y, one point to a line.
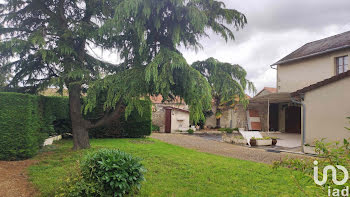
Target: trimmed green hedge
19	126
134	126
55	113
26	120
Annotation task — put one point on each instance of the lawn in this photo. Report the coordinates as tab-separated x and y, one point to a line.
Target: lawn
177	171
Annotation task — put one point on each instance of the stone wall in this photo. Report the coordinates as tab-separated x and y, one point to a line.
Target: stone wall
158	113
231	118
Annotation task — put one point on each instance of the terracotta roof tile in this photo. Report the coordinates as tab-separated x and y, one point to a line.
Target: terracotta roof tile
159	99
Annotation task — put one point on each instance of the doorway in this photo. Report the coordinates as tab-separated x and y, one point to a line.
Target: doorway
273	120
293	119
168	120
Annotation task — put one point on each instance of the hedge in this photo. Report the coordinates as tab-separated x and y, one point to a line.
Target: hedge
19	126
55	113
134	126
26	120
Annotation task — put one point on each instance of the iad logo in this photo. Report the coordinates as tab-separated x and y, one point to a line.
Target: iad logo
332	192
334	174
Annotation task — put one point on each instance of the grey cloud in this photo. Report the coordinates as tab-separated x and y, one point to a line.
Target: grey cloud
275	28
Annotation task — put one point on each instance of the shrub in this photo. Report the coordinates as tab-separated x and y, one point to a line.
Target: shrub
222	129
20	126
115	172
190	131
134	126
26	120
55	113
76	186
329	154
229	130
155	128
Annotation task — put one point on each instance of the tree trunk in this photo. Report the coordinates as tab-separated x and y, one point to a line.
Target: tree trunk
79	125
218	123
217	103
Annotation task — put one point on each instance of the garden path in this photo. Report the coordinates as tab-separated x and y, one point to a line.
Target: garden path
14	179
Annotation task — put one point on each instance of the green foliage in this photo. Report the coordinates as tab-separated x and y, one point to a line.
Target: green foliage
20	126
155	128
114	171
166	164
190	131
55	112
76	186
26	120
349	122
47	43
337	153
228	130
228	83
134	126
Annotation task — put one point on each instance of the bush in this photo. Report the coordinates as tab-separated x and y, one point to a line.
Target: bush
55	113
114	172
227	130
26	120
190	131
20	126
76	186
222	129
134	126
155	128
329	154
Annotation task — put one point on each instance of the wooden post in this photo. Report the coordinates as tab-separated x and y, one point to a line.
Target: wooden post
268	116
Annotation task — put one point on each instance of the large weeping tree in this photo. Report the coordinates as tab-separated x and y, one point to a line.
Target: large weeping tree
47	43
228	84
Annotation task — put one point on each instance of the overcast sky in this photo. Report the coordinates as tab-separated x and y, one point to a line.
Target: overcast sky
275	29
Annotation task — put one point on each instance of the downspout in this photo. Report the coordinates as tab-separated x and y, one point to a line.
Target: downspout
304	111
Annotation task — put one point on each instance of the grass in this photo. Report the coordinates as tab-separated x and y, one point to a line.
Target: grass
177	171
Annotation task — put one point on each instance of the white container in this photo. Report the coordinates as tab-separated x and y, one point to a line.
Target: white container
309	150
239	141
264	142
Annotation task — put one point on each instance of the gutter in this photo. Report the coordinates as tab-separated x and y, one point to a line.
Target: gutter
311	55
304	112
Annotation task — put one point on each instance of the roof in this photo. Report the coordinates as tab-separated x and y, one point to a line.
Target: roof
321	83
158	99
272	98
269	89
53	92
178	109
318	47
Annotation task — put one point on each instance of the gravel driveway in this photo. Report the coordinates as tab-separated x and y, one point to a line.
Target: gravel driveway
224	149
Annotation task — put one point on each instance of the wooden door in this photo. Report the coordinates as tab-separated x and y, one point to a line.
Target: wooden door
273	122
293	119
168	120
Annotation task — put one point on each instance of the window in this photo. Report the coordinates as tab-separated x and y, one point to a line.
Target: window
342	64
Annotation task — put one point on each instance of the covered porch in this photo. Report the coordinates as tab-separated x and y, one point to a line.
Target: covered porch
277	112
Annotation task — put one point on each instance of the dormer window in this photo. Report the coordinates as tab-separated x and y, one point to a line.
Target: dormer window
342	64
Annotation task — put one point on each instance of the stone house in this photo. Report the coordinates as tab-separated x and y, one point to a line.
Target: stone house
171	115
